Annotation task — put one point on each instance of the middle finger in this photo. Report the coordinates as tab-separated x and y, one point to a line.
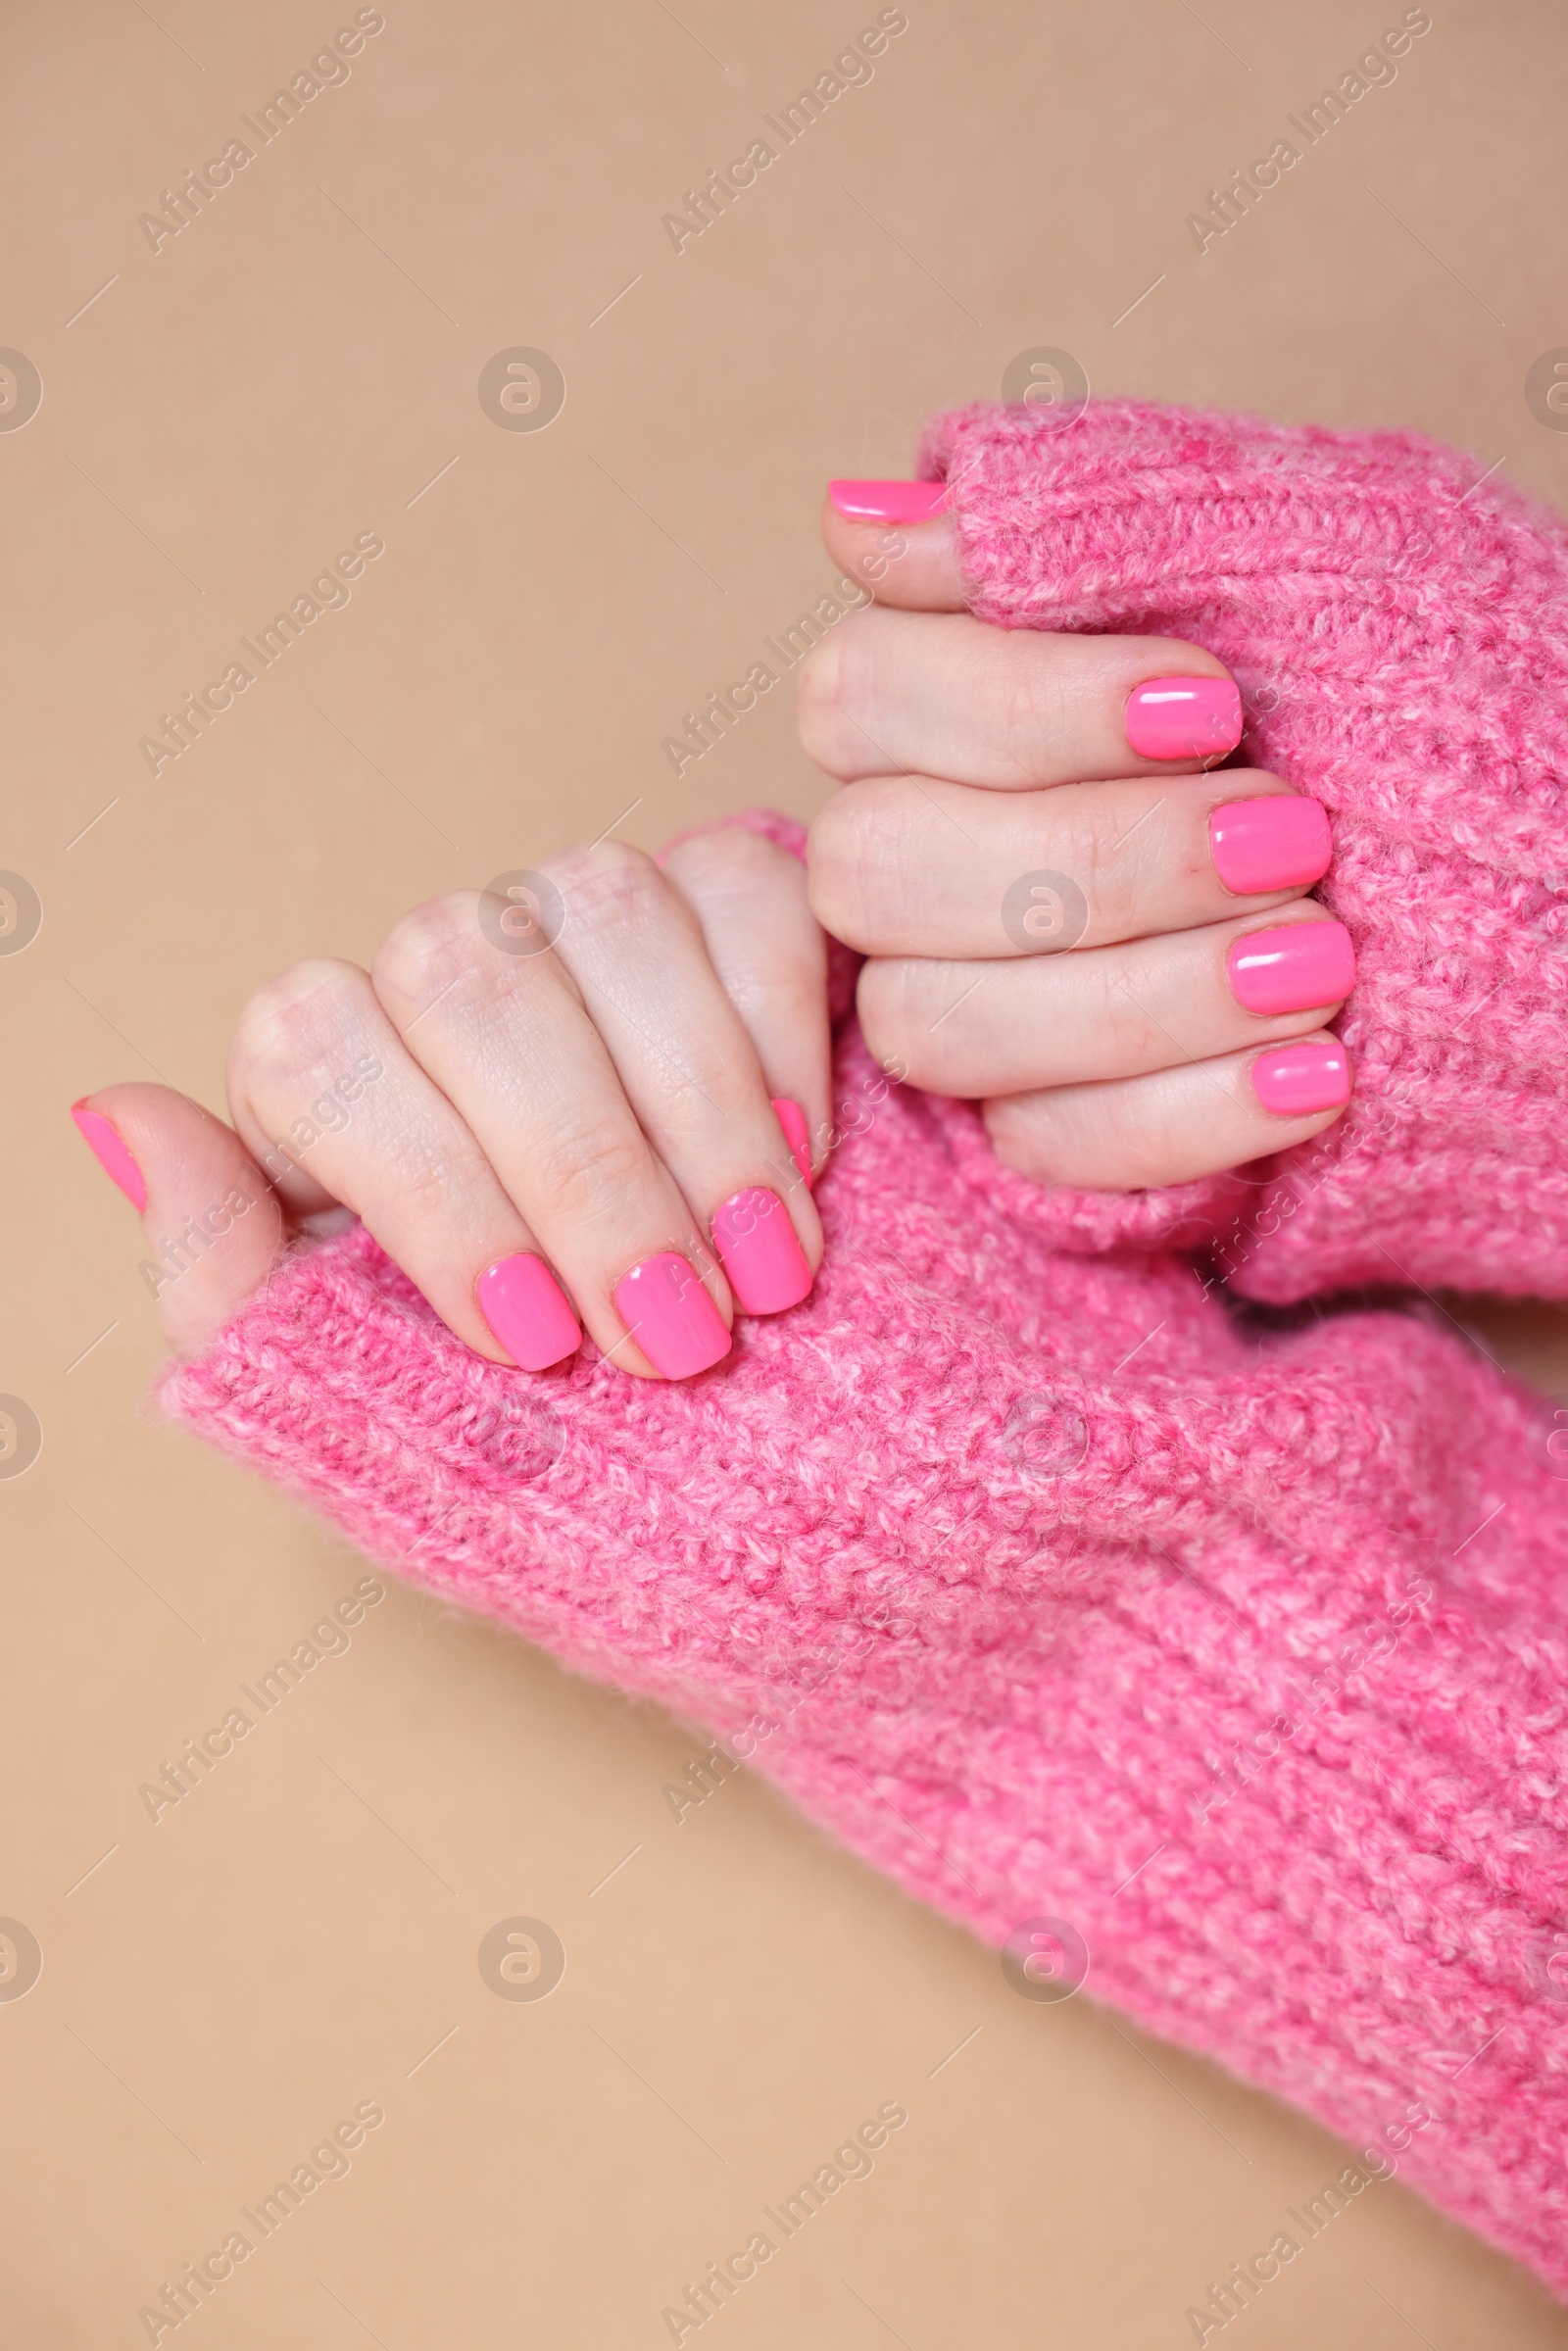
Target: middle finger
911	865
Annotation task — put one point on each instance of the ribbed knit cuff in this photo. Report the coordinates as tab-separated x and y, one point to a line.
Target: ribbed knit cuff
1394	621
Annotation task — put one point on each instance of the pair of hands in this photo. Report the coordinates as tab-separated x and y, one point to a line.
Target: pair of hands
615	1130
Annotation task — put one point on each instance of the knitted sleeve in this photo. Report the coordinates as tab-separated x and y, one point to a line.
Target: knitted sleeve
1219	1678
1398	625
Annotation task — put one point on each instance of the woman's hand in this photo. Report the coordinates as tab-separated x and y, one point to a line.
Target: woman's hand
1069	913
542	1112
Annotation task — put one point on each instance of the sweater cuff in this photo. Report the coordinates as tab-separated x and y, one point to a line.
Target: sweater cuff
1394	619
1223	1682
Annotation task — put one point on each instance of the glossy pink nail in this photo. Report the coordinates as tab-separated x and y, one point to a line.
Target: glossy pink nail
1293	968
670	1315
1273	843
889	501
526	1310
1295	1080
112	1154
1184	718
792	1119
761	1252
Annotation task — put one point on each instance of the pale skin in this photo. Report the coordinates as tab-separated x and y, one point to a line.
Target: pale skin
594	1103
973	753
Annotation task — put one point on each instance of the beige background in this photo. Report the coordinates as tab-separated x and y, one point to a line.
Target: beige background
296	366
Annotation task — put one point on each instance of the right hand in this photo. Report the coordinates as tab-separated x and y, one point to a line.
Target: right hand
527	1125
1104	938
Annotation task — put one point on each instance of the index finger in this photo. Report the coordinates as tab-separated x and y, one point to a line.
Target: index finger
895	537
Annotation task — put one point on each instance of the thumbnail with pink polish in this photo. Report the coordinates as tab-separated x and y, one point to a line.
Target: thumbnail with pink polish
111	1156
1184	718
889	501
526	1311
1273	843
761	1252
1293	968
792	1119
1294	1081
670	1315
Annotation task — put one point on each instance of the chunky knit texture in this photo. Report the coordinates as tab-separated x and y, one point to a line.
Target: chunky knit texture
1055	1594
1396	625
1054	1586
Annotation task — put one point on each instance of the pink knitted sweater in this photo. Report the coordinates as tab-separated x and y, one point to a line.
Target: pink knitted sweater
1399	629
1221	1666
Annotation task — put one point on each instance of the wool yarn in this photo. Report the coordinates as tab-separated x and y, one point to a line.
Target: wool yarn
1219	1657
1396	622
1236	1656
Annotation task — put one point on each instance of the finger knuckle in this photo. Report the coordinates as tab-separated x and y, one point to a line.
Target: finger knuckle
1024	690
591	1166
890	1020
607	886
862	852
428	946
729	860
297	1019
835	690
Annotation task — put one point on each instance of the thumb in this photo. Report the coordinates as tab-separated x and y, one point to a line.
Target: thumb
213	1224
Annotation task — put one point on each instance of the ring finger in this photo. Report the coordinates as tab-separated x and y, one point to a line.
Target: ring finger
1000	1028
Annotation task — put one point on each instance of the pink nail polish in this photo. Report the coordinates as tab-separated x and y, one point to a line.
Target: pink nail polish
1294	1079
1273	843
526	1310
1293	968
889	501
112	1154
670	1315
761	1252
792	1119
1184	718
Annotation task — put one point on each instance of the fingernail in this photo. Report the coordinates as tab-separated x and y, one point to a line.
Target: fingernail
1293	968
889	501
797	1134
1184	718
526	1310
1294	1079
670	1315
112	1154
1273	843
762	1251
